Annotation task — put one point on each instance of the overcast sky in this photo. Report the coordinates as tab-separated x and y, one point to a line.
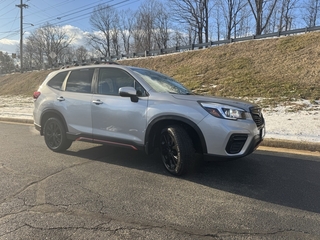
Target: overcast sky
73	15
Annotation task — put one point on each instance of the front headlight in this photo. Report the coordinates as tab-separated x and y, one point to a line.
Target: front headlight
224	111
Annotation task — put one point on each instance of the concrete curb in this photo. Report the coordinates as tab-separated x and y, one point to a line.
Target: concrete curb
267	142
17	120
298	145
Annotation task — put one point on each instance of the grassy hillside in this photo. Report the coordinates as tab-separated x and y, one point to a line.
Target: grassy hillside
281	69
22	83
272	68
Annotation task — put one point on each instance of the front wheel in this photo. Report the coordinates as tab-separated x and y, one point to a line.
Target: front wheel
177	151
55	135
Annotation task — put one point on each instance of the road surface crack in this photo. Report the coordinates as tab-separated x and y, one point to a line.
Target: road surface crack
40	180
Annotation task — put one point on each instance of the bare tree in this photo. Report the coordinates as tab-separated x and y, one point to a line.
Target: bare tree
126	28
33	52
282	16
81	54
273	23
30	59
6	63
286	14
217	20
262	11
179	38
194	13
55	40
115	36
47	40
311	12
243	27
161	25
102	21
231	11
144	26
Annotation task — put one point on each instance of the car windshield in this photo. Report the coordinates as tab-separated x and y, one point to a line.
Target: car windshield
161	83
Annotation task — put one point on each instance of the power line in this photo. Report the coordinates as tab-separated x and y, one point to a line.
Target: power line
10	4
14	21
43	11
55	16
7	13
83	16
12	34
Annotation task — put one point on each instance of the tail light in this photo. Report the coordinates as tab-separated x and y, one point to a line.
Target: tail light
36	95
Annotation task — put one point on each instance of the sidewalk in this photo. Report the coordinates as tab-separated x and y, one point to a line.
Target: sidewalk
285	128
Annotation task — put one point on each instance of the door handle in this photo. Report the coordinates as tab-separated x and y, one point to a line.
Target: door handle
60	99
97	102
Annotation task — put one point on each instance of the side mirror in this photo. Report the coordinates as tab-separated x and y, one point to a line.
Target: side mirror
129	92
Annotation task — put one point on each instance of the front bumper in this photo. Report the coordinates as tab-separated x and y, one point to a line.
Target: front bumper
229	138
253	145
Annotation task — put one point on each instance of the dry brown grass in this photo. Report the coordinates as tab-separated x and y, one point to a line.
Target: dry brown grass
22	83
280	69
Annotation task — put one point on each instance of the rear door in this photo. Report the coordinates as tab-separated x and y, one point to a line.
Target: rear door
75	101
116	118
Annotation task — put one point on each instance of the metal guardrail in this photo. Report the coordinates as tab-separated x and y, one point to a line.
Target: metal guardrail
158	52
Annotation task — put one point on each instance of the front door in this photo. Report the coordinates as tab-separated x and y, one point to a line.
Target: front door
117	119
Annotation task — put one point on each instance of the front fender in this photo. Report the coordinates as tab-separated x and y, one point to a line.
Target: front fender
157	124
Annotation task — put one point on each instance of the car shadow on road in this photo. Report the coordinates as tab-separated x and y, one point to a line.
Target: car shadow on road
285	179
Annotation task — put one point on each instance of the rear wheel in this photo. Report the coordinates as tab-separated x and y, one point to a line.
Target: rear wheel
176	149
55	135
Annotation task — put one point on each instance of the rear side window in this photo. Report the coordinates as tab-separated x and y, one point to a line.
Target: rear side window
80	80
57	80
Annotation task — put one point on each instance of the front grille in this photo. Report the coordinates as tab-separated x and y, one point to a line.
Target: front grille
257	116
235	143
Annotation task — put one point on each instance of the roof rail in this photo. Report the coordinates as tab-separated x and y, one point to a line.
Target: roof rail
101	60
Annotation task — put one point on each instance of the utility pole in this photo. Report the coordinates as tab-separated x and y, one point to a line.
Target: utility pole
21	6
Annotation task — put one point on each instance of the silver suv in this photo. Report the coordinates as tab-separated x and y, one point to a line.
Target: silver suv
143	110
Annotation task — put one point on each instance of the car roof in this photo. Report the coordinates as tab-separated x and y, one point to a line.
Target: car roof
68	68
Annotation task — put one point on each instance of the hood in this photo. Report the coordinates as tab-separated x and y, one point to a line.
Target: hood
228	101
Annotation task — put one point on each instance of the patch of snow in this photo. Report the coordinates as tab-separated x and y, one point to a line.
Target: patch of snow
298	121
16	107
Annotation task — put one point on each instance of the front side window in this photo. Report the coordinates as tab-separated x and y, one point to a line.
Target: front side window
160	82
57	81
111	79
80	80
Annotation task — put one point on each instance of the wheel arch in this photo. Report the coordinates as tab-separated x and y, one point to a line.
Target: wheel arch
52	113
153	131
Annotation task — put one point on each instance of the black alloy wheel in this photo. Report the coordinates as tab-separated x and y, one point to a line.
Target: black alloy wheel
55	135
176	148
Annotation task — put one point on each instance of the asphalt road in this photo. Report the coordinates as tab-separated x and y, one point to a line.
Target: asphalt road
99	192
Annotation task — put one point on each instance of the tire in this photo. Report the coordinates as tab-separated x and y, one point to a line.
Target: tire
55	135
176	149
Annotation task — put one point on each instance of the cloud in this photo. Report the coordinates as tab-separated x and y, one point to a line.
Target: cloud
9	46
79	39
79	36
